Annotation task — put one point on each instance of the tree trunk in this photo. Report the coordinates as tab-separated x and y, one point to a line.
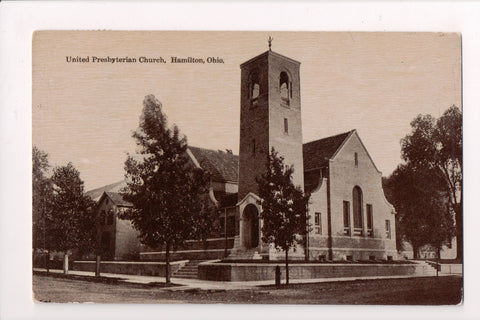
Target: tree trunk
438	259
97	265
415	252
65	263
167	263
47	262
459	231
286	267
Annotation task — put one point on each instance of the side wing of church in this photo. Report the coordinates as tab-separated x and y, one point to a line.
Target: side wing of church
350	216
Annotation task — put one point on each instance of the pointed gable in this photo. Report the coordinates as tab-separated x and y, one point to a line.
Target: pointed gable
118	200
317	153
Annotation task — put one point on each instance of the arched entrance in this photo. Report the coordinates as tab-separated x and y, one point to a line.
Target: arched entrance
250	223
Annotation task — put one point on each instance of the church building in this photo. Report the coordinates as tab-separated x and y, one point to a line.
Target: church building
350	216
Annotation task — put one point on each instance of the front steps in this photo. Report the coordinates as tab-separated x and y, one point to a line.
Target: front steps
246	254
426	268
189	270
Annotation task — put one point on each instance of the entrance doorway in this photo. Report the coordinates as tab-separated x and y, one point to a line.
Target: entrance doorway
251	233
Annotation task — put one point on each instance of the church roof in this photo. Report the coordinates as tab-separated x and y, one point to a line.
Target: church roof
95	194
222	165
317	153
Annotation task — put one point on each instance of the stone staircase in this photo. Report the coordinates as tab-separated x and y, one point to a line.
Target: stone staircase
189	270
245	254
426	269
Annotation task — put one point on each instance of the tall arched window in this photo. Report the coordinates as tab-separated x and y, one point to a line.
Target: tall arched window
357	210
285	90
254	88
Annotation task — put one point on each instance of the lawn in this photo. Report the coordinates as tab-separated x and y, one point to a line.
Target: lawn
414	291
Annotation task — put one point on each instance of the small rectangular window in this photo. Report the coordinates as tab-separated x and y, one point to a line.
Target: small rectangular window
253	146
387	229
356	159
110	217
318	223
370	220
346	218
103	217
285	125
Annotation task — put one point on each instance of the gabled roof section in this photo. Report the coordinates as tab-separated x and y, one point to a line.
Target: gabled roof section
317	153
118	199
95	194
223	166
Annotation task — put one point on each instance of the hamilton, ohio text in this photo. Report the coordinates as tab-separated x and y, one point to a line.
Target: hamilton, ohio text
142	59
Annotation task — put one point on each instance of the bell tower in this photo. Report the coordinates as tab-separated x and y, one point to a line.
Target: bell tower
270	116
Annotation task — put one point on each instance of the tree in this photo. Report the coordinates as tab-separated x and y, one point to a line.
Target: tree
162	185
70	222
284	207
437	145
41	196
424	215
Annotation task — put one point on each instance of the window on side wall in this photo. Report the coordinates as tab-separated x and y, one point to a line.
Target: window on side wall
369	220
388	232
110	217
102	217
346	218
318	223
357	211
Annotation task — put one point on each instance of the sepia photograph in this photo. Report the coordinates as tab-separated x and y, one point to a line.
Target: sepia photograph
247	167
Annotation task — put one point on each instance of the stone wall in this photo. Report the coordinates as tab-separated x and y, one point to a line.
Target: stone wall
129	267
264	271
192	250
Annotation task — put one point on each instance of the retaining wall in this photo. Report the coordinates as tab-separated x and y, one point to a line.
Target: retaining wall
192	250
263	271
130	267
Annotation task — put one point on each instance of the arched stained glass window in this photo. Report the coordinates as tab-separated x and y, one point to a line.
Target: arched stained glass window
357	208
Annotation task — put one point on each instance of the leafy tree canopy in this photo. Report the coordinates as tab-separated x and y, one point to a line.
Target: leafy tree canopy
70	220
41	195
424	215
162	185
428	187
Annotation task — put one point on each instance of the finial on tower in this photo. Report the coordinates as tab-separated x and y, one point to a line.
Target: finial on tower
270	39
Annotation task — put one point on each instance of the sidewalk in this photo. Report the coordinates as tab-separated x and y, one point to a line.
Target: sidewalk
188	284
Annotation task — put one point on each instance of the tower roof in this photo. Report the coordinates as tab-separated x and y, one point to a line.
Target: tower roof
269	53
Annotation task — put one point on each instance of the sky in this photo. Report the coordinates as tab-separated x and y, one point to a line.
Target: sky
374	82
